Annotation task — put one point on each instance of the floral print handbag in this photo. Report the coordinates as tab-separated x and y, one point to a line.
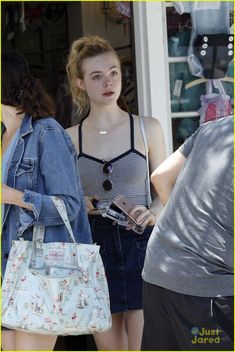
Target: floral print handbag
55	288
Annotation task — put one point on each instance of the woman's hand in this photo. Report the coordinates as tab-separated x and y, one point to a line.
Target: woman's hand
13	196
4	193
89	205
7	193
143	215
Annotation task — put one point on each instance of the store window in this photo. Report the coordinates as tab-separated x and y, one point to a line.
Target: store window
185	100
43	31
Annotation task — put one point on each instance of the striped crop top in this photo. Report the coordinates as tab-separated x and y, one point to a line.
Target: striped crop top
128	177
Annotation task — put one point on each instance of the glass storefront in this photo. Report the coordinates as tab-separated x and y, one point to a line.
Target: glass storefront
185	101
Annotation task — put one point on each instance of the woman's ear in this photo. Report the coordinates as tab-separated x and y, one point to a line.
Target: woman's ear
80	83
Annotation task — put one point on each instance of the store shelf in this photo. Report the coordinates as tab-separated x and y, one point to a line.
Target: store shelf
177	59
184	114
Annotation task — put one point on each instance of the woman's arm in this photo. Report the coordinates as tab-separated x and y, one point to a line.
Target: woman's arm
58	168
165	176
157	155
73	133
57	175
13	196
156	147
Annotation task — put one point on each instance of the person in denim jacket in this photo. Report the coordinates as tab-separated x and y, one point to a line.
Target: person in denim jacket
38	160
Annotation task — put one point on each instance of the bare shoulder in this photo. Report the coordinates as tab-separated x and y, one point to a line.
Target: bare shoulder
152	125
72	130
154	132
73	133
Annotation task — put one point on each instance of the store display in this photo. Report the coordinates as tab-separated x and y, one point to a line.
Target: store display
215	52
183	99
207	18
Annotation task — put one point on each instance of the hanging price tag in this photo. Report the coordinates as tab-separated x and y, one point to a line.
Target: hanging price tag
178	88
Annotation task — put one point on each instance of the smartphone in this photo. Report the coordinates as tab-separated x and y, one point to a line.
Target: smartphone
126	206
119	211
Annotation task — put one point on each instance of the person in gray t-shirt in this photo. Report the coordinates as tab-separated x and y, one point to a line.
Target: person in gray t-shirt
188	270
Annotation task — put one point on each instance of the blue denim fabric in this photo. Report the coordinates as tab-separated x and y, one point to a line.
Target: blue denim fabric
44	164
123	254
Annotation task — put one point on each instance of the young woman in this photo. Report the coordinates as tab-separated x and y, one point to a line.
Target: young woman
38	160
112	160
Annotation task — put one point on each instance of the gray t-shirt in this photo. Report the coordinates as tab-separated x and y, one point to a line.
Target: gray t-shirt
190	250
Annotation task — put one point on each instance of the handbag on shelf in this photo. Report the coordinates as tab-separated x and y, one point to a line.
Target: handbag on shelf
55	288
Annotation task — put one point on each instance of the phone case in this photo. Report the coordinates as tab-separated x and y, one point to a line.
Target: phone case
126	206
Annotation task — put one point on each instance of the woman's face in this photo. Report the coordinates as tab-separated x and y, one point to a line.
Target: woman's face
102	78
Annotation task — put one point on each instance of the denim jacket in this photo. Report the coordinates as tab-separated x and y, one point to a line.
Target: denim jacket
43	164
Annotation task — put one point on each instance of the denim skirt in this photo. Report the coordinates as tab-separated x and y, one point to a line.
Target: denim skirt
123	253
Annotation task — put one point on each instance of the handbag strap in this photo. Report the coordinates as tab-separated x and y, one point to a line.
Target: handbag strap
39	231
60	206
149	198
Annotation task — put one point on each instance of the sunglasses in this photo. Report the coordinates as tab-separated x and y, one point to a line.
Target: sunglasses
107	170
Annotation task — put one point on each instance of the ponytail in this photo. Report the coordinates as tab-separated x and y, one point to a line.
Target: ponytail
83	48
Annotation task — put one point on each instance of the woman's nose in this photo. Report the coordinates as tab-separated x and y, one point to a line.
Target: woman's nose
107	82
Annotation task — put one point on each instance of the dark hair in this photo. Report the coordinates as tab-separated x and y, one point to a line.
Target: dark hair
21	90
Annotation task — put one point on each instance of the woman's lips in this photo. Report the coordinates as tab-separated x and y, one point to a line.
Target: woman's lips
108	94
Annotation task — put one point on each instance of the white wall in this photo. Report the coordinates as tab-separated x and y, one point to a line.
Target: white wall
152	65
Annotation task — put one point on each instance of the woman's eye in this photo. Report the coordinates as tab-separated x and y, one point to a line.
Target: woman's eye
114	73
97	77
